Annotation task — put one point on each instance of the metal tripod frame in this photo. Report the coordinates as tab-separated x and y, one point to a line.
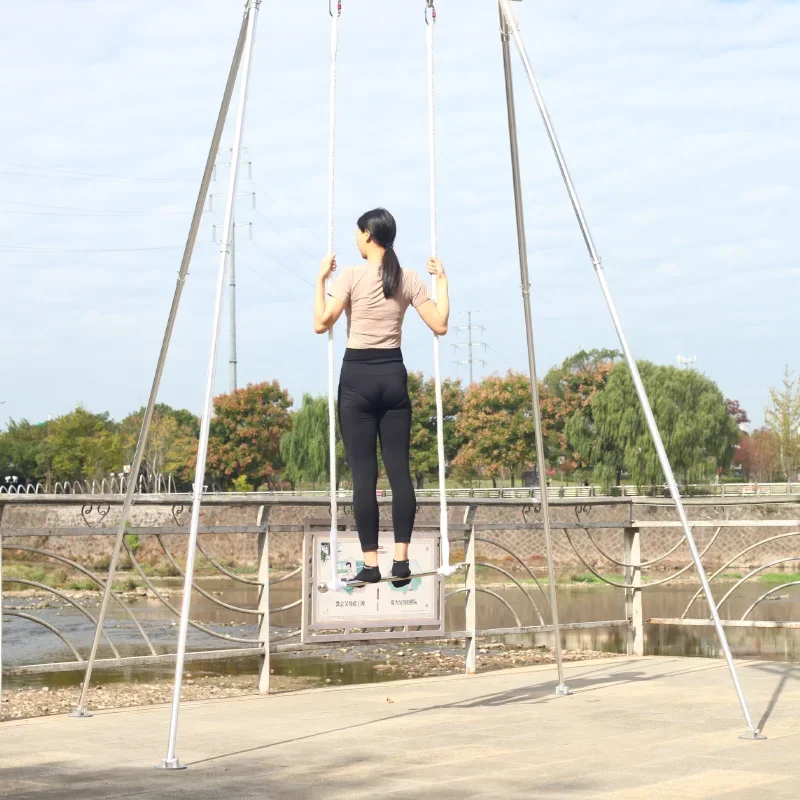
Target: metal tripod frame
510	27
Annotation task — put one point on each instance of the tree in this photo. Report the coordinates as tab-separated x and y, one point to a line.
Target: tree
171	443
782	417
497	428
738	413
80	446
246	432
698	432
19	450
757	455
305	449
424	443
567	391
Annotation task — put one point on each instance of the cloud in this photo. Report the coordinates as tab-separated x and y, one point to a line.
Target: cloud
678	121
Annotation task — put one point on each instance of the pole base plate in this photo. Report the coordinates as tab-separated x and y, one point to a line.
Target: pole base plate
79	713
170	763
563	690
753	736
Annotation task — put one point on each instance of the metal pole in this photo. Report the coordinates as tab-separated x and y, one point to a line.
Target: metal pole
171	760
80	709
1	613
752	731
526	303
233	359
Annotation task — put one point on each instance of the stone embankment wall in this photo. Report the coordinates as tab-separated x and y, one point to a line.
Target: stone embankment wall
528	545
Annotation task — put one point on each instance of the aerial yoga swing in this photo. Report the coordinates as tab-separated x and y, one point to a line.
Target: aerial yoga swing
373	393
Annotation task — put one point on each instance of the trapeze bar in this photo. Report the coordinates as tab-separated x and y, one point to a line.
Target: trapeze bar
326	587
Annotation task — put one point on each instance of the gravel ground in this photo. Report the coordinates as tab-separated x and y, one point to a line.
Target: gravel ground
391	661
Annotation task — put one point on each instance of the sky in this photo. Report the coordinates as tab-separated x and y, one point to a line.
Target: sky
680	122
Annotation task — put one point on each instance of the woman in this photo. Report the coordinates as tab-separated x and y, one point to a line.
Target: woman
373	390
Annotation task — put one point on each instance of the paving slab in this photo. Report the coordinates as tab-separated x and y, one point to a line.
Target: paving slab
647	727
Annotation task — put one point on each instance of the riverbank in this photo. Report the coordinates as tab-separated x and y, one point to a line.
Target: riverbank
389	662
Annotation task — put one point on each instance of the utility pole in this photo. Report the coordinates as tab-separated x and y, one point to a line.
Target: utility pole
233	362
470	344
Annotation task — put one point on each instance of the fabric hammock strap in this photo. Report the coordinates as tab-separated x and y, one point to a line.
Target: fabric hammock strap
446	568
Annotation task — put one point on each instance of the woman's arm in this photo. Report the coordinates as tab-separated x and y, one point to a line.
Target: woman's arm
437	315
326	314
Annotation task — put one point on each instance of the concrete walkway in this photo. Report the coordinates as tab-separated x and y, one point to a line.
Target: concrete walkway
651	728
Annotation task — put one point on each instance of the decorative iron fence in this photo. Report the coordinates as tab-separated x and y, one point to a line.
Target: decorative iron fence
259	613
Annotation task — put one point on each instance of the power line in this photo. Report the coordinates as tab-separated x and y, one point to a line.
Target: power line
69	174
13	249
280	263
89	212
266	278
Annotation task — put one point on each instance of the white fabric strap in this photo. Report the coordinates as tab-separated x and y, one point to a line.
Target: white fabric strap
335	584
446	568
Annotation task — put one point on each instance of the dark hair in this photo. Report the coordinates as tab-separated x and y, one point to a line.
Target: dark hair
380	225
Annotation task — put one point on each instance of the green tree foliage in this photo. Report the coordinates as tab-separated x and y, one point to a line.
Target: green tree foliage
19	450
424	446
567	391
782	417
496	427
305	449
171	444
80	446
699	433
246	433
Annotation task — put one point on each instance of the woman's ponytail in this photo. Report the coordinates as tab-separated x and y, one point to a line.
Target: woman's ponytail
391	271
380	225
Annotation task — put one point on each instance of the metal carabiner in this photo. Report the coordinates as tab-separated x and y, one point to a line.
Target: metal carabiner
338	8
429	6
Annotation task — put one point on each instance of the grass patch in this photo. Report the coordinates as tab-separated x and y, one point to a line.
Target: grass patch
778	578
732	576
127	584
585	577
55	578
83	585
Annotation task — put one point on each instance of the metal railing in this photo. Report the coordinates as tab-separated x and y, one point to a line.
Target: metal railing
602	534
166	485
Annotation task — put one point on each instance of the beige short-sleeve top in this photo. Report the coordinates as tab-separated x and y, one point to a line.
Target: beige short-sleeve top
373	321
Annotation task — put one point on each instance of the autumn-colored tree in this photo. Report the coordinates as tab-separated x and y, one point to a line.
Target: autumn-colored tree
497	428
171	447
782	416
758	455
738	413
424	446
567	391
305	449
246	433
698	432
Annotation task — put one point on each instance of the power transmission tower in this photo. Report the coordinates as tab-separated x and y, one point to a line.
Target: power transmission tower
247	166
470	345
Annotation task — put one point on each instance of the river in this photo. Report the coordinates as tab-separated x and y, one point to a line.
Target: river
27	643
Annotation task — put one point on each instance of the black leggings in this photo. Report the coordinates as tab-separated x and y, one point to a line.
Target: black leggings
374	404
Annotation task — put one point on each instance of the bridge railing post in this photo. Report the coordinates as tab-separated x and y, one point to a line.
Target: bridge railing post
633	597
471	602
263	600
